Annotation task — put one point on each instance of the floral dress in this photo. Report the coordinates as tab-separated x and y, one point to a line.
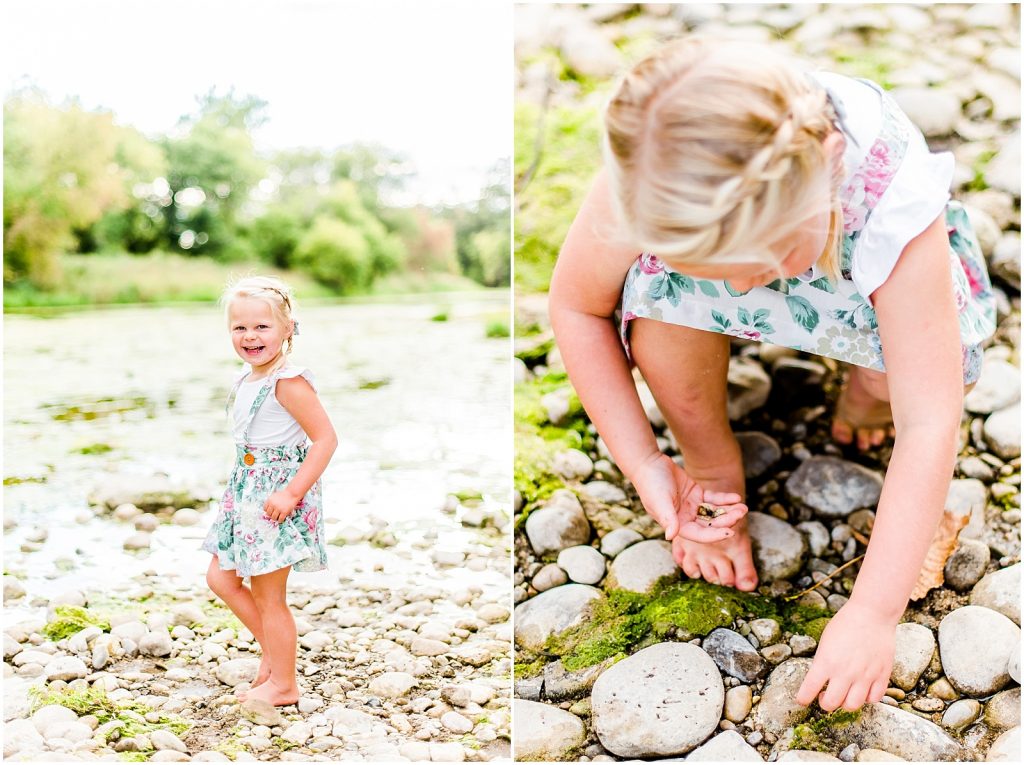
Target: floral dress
242	537
811	312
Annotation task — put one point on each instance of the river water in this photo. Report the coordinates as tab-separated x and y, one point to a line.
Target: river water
422	409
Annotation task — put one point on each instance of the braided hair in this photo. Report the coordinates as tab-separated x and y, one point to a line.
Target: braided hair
714	151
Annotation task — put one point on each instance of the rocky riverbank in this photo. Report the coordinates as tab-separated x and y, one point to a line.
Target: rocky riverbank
618	654
399	658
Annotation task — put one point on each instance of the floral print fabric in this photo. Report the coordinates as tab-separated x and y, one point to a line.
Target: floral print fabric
242	537
813	313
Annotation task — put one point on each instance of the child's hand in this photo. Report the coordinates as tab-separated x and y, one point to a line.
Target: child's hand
672	499
280	505
854	658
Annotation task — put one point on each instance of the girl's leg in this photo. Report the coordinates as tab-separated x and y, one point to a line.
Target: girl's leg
863	412
228	586
686	370
269	591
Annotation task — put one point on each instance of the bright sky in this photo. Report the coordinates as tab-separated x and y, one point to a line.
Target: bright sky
430	79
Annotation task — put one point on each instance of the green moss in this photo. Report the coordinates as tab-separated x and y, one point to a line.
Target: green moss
94	701
624	621
440	316
823	734
95	449
526	666
134	756
14	480
283	744
71	620
497	328
980	164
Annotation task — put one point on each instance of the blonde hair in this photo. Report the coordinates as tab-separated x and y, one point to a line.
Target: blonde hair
276	294
714	151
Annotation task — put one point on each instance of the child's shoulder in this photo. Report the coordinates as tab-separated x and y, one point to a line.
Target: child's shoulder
292	371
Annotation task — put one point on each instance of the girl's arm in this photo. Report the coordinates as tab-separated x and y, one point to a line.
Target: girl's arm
297	396
585	290
919	327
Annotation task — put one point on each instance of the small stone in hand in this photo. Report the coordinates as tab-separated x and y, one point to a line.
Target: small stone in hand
709	512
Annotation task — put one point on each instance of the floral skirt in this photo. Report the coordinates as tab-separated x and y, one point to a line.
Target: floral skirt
809	313
244	539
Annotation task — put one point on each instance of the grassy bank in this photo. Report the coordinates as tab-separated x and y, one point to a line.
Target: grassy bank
112	279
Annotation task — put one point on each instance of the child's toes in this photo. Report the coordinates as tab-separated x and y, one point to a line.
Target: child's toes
863	439
841	431
746	575
877	437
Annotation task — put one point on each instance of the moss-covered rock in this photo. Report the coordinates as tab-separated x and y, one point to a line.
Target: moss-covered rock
71	620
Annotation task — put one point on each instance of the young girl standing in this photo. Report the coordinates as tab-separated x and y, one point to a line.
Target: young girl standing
802	210
270	518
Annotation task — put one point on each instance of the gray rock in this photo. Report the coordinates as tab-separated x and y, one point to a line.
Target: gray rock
915	645
164	739
777	709
1003	170
760	452
186	516
582	563
559	524
551	613
748	387
69	731
832	487
891	729
529	688
734	655
138	541
778	548
639	567
617	540
1002	711
448	752
13	588
975	645
556	404
1013	666
817	535
960	714
967	564
425	647
997	388
738	700
20	735
806	755
156	643
392	685
52	714
935	111
1006	748
236	671
548	577
456	723
316	640
573	465
544	732
65	668
663	700
1002	432
1000	591
967	497
11	647
727	746
975	467
606	492
767	631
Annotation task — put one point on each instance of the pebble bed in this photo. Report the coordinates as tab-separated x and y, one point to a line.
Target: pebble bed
723	690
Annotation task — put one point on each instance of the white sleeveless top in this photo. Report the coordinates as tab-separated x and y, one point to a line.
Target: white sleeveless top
272	424
915	197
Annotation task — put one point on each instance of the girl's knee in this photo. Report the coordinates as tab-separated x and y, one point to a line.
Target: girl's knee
222	582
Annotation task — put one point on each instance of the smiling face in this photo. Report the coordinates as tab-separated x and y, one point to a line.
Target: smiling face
257	334
795	255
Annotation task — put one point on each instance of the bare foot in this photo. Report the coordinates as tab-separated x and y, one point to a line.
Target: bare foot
272	693
728	562
262	675
860	415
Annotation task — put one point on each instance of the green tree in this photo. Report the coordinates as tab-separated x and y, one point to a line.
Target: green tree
213	167
63	169
335	253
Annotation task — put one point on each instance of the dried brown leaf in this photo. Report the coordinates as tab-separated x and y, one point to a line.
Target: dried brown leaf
943	544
